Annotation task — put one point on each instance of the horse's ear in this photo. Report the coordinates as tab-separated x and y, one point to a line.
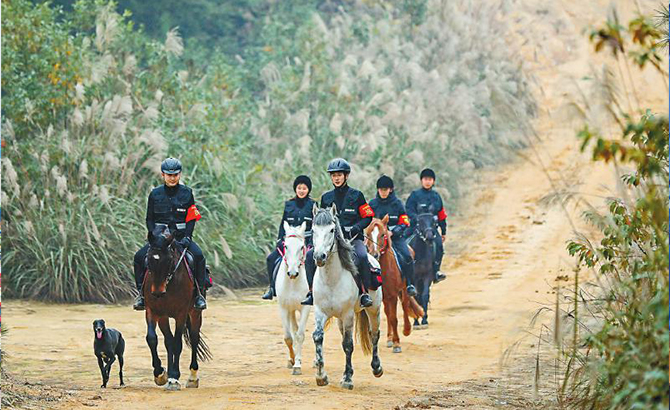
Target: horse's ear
315	209
303	228
385	220
333	210
286	226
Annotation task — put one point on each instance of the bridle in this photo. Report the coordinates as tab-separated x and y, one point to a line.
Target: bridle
282	252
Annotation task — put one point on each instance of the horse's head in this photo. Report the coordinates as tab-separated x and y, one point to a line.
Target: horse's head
323	233
377	237
160	257
426	226
294	248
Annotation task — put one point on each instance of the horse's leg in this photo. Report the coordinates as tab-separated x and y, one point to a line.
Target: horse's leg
347	330
389	329
374	316
177	346
419	299
160	377
288	338
406	308
300	339
425	298
164	325
320	321
194	325
393	319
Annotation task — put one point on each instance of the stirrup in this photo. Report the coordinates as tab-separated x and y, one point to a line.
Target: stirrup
439	277
200	302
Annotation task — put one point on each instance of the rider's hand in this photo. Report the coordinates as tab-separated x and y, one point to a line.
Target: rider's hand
444	237
185	242
354	231
390	233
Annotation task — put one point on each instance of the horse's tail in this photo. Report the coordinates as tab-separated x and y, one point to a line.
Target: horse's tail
203	349
363	332
416	311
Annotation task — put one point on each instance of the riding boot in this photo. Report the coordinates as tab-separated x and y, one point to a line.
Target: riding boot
366	300
309	300
200	302
269	294
408	273
138	304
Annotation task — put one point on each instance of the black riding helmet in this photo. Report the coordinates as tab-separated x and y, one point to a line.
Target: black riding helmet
384	182
303	179
427	173
339	165
171	166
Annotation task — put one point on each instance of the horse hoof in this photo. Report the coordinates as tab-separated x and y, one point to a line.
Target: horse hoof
173	385
397	349
389	343
193	384
347	385
322	382
289	364
297	371
162	379
379	372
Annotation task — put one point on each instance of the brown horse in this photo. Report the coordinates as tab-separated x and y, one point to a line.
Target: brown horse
380	245
169	293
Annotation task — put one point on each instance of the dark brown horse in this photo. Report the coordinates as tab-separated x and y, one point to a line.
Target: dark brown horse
169	293
380	245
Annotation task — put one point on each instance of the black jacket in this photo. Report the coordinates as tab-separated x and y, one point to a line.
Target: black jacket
353	211
426	200
170	206
297	211
393	207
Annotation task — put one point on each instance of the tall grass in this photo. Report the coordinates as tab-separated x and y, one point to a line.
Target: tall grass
391	87
615	355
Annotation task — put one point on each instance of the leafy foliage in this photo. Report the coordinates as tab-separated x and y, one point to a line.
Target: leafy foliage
393	86
624	359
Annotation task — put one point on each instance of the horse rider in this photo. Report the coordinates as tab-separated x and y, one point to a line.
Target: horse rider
172	204
425	199
387	203
296	211
354	215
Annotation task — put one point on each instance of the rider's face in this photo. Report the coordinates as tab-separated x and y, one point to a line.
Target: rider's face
338	178
427	182
301	190
171	180
384	192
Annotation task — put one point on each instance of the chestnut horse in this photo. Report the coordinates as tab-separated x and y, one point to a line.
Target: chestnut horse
380	245
169	293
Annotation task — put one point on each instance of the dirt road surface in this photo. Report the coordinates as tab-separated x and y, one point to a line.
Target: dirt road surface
504	252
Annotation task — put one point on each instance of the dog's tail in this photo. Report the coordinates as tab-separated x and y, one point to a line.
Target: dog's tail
202	349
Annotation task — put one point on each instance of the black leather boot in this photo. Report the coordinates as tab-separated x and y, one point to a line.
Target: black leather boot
366	300
309	300
139	300
269	294
411	290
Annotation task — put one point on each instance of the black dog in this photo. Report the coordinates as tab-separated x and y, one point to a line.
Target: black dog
108	343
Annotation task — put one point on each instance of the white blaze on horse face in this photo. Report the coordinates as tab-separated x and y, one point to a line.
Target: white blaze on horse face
375	240
156	256
323	238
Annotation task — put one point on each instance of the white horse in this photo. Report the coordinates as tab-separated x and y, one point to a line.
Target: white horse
291	289
336	295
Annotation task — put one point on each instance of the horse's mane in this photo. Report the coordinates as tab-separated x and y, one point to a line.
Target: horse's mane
345	249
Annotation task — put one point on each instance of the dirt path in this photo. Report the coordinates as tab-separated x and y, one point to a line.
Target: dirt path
504	252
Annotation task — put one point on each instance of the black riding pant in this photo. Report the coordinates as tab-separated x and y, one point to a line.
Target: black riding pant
406	262
439	252
362	262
